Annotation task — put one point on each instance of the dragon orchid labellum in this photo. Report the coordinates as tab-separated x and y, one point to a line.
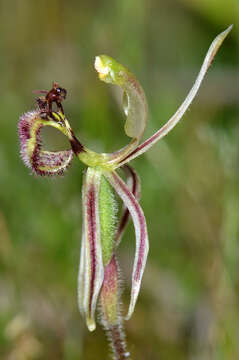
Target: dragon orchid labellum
98	281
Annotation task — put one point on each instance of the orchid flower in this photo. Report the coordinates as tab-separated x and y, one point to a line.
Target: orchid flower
98	281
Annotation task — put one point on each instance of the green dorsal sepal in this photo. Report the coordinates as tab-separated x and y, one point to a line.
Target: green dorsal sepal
134	101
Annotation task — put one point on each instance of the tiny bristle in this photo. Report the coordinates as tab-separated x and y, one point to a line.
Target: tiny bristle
114	330
52	163
24	131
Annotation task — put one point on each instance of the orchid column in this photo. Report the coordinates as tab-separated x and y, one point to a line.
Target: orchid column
98	282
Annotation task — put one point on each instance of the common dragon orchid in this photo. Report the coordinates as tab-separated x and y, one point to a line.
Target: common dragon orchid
98	281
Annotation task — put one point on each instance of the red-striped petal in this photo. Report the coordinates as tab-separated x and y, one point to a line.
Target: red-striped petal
91	272
142	244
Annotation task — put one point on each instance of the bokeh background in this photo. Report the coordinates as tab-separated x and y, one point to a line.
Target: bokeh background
189	303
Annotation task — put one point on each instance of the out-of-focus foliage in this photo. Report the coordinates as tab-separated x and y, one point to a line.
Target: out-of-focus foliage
188	306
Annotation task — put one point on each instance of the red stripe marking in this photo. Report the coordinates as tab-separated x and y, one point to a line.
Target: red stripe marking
125	217
141	222
92	237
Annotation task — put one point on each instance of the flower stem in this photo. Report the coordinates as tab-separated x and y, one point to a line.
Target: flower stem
117	340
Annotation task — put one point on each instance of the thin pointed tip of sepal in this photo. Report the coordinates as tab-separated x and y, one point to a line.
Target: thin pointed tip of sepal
219	40
133	300
130	311
91	324
223	34
229	28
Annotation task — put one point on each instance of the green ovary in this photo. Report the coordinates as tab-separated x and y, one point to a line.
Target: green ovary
108	210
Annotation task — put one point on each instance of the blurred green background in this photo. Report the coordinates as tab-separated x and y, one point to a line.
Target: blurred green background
189	303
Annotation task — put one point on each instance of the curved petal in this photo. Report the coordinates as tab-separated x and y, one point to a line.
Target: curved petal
91	272
142	245
184	106
134	101
40	161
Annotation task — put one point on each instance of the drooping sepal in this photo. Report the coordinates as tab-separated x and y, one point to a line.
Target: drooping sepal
142	244
134	100
91	272
40	161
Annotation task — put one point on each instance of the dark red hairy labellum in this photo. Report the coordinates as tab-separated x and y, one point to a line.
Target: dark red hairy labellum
43	163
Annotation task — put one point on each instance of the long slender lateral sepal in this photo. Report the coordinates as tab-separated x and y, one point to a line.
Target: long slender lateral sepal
185	105
142	245
91	272
133	181
40	161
